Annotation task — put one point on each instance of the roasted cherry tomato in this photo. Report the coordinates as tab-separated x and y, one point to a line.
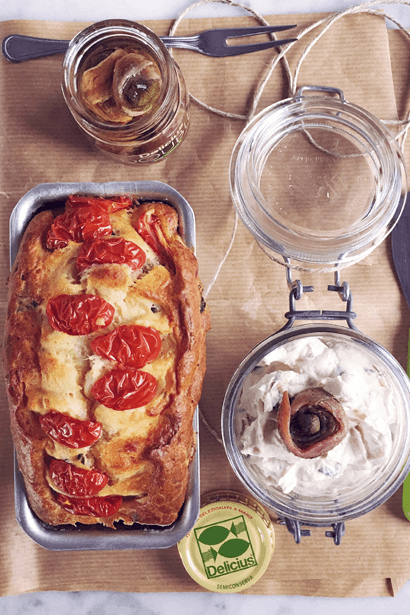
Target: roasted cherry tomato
149	228
79	224
76	481
110	250
91	507
129	345
125	389
70	431
109	205
79	314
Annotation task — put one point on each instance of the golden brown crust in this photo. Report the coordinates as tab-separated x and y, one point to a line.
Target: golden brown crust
145	452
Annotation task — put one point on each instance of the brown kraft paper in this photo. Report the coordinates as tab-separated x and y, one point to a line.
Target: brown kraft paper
40	143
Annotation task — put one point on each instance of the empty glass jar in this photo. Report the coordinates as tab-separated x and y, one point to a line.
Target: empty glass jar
318	181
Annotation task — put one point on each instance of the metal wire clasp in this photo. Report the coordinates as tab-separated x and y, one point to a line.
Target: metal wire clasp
294	527
322	89
296	292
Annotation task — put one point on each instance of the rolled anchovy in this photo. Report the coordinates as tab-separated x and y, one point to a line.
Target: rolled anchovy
312	423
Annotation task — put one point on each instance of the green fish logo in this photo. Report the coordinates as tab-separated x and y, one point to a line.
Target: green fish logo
213	535
222	542
234	547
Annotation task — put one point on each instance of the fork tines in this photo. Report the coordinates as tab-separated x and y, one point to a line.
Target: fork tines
251	31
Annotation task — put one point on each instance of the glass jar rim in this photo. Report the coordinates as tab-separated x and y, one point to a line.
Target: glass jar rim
325	510
295	247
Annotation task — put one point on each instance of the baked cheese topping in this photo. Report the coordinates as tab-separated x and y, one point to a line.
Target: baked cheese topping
111	354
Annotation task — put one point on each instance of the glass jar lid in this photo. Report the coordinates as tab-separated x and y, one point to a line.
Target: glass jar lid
231	545
318	181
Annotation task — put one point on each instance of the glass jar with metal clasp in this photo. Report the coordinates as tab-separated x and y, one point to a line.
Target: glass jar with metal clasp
320	183
345	483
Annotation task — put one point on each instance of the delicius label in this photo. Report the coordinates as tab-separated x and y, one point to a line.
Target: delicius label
225	547
231	545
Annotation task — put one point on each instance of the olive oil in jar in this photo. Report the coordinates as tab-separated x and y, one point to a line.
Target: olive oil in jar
126	92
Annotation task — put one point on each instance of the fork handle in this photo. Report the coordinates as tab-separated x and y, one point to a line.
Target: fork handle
19	48
182	42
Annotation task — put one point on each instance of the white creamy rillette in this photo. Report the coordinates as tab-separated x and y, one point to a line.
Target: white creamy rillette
346	371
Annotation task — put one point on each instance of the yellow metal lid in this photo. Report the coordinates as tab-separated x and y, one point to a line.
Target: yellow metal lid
231	544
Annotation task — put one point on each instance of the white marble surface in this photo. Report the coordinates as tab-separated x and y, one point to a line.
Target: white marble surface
93	10
106	603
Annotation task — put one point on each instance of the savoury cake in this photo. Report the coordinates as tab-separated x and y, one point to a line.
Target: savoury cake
104	357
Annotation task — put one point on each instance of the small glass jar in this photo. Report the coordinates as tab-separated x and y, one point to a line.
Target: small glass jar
154	130
318	181
345	500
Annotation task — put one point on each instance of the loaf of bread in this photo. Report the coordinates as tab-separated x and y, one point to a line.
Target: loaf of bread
105	357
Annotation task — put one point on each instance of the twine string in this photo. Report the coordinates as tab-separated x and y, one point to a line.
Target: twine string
259	18
280	56
326	22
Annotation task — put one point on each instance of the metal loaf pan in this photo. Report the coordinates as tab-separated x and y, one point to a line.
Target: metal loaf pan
86	538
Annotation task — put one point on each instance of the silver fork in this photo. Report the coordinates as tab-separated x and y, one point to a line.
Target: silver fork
19	48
